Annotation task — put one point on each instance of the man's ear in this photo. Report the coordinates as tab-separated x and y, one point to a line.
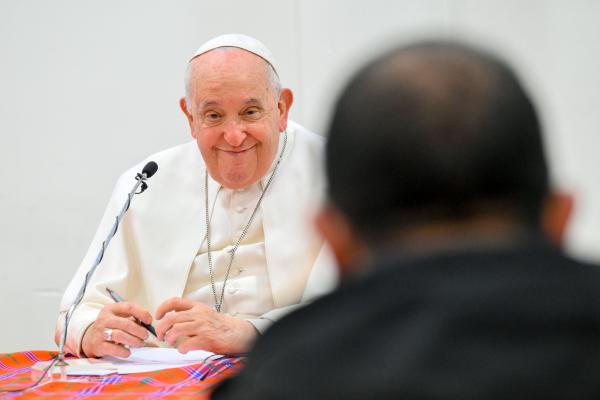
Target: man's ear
188	115
347	248
556	214
286	99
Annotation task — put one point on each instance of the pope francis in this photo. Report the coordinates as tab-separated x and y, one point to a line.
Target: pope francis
222	244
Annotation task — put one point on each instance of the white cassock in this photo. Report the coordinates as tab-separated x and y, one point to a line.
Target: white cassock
160	249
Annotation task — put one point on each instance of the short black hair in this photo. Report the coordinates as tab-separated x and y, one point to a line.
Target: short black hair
434	130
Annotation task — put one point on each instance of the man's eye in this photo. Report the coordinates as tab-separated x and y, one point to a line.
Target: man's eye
212	116
252	112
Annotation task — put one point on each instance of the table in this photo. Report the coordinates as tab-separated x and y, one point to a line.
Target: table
195	381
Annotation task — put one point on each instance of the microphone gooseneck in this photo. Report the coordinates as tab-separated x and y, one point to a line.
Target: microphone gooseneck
148	170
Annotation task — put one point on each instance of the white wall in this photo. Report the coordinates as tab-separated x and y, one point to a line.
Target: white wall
88	88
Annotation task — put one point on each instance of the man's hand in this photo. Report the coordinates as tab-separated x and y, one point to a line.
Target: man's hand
193	325
125	331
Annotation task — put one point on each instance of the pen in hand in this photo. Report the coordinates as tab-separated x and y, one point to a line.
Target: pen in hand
118	299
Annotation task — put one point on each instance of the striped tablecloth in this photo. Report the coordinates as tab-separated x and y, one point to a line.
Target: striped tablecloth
188	382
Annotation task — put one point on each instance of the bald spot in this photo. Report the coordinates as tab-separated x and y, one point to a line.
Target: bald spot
453	91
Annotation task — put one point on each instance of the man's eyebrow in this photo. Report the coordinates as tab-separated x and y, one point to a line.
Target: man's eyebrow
210	103
253	100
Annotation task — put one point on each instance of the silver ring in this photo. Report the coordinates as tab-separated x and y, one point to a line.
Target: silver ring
107	334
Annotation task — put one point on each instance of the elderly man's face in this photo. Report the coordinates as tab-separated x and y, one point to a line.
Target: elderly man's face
235	116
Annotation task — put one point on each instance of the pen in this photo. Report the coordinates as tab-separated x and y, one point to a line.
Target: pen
118	299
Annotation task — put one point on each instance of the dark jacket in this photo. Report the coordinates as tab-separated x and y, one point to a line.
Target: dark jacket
518	323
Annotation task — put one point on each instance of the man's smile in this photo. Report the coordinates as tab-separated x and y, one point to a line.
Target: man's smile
236	152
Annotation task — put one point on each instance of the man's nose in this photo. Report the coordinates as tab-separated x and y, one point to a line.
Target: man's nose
234	134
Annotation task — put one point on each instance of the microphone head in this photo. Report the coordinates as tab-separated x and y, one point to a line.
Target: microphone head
150	169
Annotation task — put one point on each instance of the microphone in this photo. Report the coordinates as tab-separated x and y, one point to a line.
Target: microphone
149	170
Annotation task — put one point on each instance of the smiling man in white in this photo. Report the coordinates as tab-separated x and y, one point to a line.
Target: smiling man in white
222	243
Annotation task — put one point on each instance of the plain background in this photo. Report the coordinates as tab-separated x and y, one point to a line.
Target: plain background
89	88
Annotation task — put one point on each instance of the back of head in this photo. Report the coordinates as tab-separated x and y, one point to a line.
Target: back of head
434	131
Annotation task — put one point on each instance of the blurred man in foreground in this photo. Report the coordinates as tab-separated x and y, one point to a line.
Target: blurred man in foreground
442	218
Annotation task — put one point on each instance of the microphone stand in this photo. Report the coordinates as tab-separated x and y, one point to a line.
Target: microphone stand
141	181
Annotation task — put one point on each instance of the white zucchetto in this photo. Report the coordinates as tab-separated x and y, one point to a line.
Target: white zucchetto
240	41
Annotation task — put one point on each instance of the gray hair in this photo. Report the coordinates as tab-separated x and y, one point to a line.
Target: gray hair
272	78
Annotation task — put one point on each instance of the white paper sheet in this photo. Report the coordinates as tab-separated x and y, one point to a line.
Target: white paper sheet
163	355
144	359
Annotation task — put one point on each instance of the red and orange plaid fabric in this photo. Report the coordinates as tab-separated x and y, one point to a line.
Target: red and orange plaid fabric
191	382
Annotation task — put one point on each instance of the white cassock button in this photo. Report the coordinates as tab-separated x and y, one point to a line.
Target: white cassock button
238	272
240	209
228	249
232	290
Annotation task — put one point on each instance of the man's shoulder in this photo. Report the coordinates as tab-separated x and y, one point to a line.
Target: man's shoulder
175	151
184	152
516	280
485	305
306	146
305	135
180	155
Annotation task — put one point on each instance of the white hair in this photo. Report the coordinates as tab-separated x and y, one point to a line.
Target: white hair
272	78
